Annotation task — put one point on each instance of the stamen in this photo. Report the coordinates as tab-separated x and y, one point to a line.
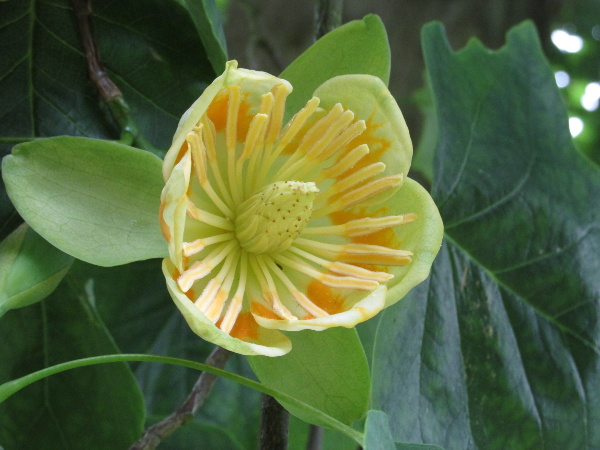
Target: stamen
360	176
344	164
258	153
353	131
315	146
280	93
214	309
233	109
330	134
371	189
310	139
200	269
327	279
269	291
345	269
361	227
196	246
235	305
357	253
208	218
298	296
252	147
210	139
289	134
198	150
361	194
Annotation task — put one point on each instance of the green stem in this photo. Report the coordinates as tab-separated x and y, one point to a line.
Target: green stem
9	388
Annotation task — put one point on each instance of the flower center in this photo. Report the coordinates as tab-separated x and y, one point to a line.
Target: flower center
270	220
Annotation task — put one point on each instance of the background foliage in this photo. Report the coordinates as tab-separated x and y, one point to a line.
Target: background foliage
497	349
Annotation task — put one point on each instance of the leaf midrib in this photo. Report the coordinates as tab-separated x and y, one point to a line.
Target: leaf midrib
595	347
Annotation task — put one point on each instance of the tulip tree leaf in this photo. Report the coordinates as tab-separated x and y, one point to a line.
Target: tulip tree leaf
30	269
44	83
358	47
378	435
499	348
97	407
377	432
207	19
95	200
326	369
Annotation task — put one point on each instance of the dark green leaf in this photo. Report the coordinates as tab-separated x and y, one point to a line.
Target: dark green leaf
30	269
134	303
207	19
43	72
326	369
97	407
209	437
358	47
499	348
95	200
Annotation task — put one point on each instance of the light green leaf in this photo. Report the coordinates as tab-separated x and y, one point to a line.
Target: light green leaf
358	47
207	19
30	269
377	432
96	408
326	369
500	348
95	200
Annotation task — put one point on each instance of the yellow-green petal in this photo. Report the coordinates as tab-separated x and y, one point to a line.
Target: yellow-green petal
423	238
252	85
368	97
259	341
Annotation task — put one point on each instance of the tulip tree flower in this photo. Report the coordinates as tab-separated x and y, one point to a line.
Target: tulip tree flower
305	225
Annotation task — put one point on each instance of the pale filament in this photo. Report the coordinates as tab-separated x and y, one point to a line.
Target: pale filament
344	269
298	296
362	226
200	269
345	163
344	282
210	142
235	305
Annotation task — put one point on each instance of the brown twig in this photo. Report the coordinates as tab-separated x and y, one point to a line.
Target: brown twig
109	92
315	438
182	415
274	424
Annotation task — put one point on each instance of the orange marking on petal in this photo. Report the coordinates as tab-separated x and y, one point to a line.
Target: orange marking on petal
377	146
191	295
181	154
324	297
217	113
164	228
261	310
245	327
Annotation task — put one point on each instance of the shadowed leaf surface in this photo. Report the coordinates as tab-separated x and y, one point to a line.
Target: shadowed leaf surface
499	348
